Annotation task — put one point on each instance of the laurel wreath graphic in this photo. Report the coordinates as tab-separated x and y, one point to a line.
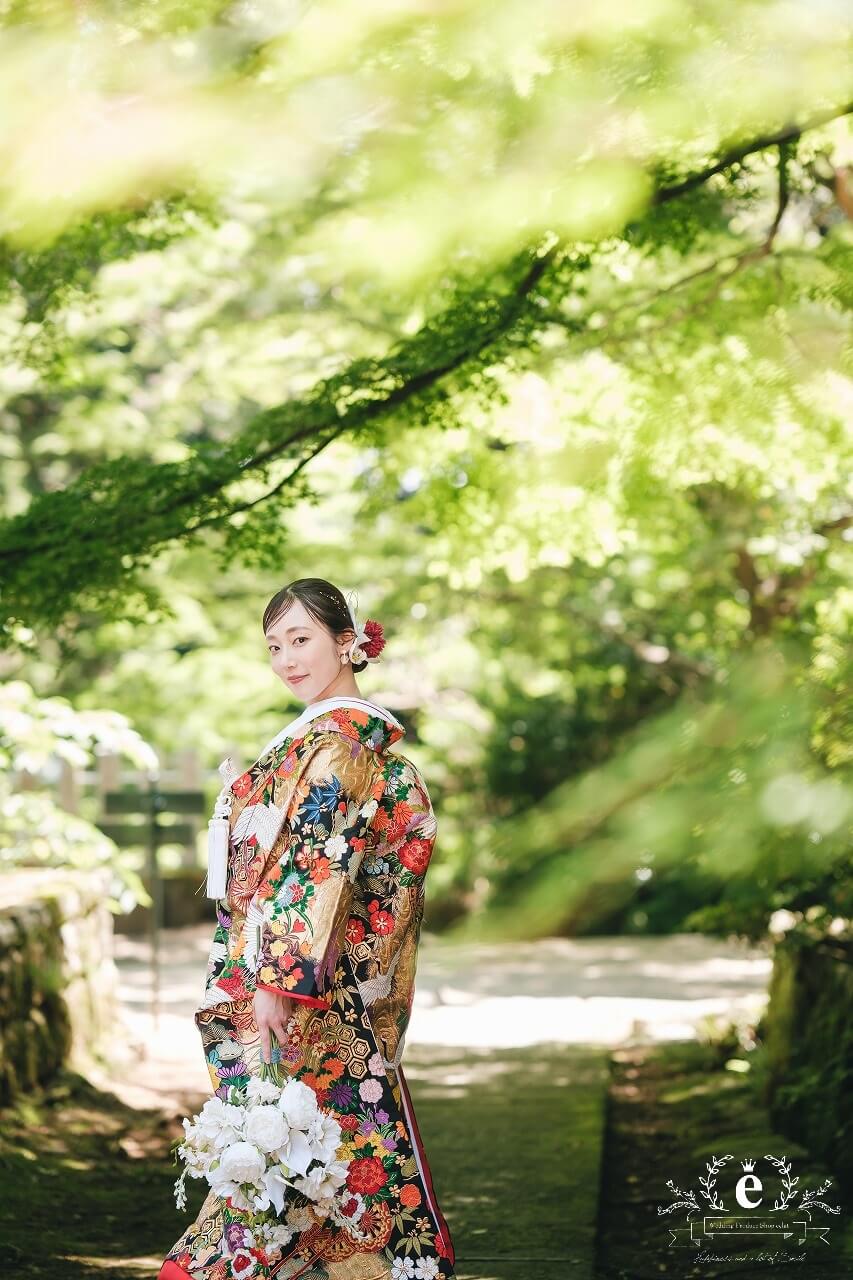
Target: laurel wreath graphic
788	1184
809	1200
687	1199
710	1182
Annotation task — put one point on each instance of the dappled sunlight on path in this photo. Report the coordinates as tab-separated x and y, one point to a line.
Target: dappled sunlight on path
600	991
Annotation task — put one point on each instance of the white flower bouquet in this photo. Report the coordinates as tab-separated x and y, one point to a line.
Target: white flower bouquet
264	1145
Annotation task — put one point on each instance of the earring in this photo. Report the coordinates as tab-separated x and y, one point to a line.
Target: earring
343	658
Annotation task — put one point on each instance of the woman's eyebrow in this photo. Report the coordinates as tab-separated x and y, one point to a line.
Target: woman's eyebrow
271	634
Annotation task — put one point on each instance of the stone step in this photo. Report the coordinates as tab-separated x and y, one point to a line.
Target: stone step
515	1139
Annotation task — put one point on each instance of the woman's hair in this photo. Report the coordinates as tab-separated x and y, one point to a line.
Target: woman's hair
323	601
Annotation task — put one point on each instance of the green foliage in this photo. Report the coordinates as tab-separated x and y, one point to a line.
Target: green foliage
536	332
35	736
716	798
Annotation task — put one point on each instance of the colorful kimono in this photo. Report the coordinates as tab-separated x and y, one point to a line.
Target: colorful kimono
330	839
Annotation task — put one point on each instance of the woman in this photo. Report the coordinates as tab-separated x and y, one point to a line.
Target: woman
313	959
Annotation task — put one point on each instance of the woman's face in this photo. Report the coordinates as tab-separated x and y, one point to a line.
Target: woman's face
304	654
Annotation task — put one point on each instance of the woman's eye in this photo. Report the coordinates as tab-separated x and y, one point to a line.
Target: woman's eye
301	638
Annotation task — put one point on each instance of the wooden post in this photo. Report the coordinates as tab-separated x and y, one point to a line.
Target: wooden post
188	778
69	790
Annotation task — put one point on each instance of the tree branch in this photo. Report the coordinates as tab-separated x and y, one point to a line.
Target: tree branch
85	539
736	153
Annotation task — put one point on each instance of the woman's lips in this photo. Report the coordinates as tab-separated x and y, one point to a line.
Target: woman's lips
296	679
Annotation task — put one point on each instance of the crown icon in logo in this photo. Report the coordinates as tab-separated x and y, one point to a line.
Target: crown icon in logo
748	1165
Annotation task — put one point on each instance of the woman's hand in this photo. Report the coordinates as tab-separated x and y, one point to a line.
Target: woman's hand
272	1013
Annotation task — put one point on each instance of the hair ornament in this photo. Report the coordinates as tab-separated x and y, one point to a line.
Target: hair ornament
369	640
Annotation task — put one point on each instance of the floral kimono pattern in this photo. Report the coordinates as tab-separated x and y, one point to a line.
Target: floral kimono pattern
330	840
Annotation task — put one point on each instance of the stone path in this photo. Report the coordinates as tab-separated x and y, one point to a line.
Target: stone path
594	991
538	1030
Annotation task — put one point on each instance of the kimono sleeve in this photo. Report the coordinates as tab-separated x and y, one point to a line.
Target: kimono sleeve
305	900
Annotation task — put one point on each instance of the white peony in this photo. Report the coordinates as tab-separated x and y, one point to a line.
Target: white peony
258	1090
242	1162
266	1127
324	1136
299	1104
318	1184
220	1123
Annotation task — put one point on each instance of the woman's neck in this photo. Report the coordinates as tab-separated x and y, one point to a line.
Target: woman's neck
343	686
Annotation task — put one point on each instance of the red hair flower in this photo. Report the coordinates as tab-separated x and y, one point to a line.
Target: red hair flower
375	638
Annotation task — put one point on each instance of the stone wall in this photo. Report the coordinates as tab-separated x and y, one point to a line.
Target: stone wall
807	1032
58	980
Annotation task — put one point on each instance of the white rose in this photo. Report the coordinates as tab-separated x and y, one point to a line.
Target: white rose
266	1127
242	1162
299	1104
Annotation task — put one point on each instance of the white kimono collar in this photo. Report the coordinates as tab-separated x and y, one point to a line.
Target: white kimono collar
315	709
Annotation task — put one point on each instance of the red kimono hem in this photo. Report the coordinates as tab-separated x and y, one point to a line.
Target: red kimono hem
292	995
424	1169
171	1271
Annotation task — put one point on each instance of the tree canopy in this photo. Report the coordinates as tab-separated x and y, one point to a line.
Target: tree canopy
531	319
